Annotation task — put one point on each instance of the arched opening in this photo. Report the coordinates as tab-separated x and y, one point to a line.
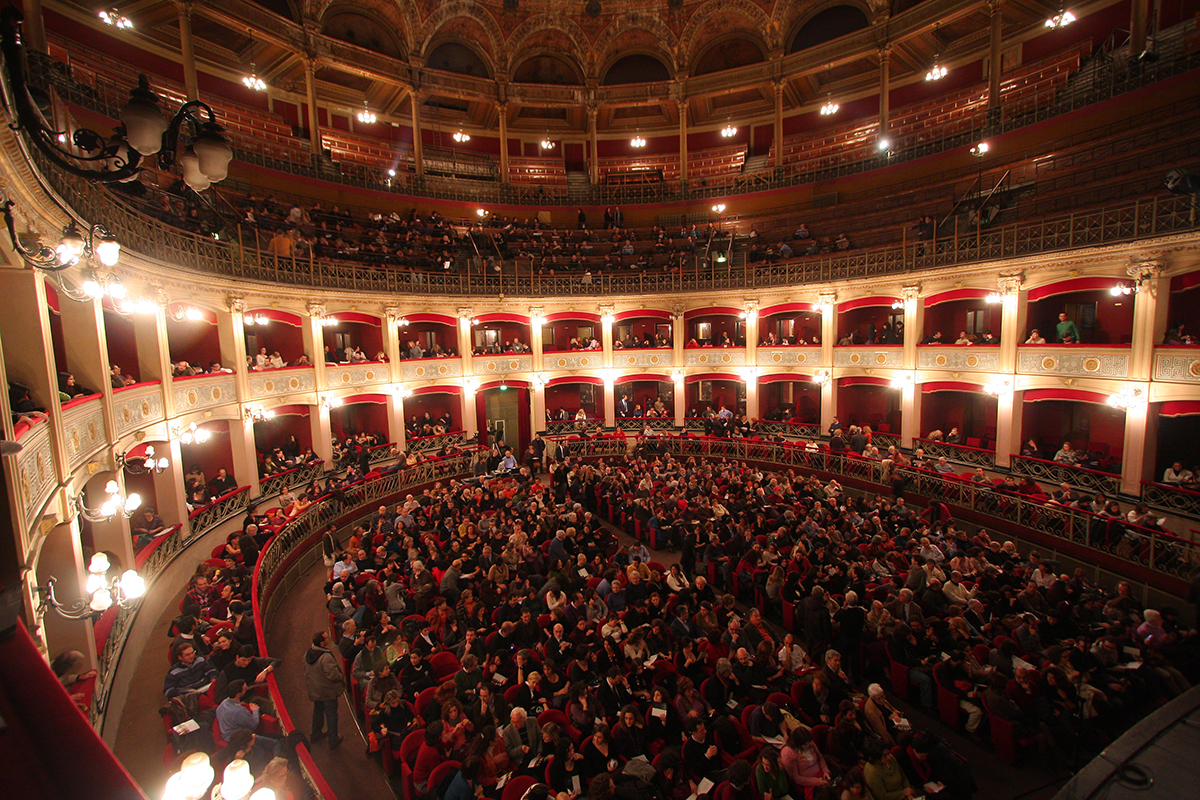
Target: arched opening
362	30
728	54
455	57
547	69
636	68
827	25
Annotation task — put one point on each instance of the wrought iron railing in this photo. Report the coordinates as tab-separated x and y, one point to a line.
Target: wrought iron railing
1173	499
638	424
1053	472
607	446
219	510
429	444
796	430
958	453
1161	551
274	485
563	427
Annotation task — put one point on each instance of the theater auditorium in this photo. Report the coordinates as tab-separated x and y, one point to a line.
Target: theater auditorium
672	399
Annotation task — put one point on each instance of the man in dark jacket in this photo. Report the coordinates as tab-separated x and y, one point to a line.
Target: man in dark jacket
324	681
816	624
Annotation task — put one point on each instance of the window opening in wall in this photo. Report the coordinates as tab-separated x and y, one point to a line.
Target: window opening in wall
1084	315
585	332
785	329
548	337
621	331
704	334
977	320
664	330
487	337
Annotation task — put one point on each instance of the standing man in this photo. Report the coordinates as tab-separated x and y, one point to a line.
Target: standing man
1066	331
323	679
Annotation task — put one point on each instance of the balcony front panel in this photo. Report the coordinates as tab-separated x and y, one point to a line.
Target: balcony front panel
962	357
497	365
1177	364
356	375
36	474
715	357
868	356
431	368
585	359
137	407
644	358
209	391
789	357
1084	360
83	428
287	381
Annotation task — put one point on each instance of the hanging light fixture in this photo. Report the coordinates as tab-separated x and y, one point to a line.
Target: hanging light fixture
114	503
1128	398
330	401
255	319
547	143
461	137
637	140
252	81
980	150
115	18
830	108
366	116
937	71
101	591
258	414
192	434
729	131
98	244
1060	20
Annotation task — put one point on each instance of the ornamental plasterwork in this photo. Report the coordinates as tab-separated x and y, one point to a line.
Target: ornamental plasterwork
355	375
35	471
428	369
196	393
643	358
591	359
1171	367
266	384
865	357
1057	362
959	358
770	356
136	409
504	364
715	357
83	430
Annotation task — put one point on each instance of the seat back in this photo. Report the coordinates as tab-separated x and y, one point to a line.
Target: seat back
410	746
517	787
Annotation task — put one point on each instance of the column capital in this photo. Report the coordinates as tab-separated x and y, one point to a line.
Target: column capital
778	86
885	53
236	303
184	7
1010	282
994	7
1144	270
677	311
911	292
315	309
593	111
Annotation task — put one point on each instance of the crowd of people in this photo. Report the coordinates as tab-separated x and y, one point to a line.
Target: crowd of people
573	655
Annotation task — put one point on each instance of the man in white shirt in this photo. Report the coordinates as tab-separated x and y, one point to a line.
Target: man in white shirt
1178	475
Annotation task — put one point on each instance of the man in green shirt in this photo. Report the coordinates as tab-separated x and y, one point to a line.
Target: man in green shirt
1065	331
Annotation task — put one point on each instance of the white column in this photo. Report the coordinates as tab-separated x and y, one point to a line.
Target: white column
113	535
470	425
537	403
61	557
1009	408
169	486
610	405
245	458
910	414
751	378
395	407
322	433
1014	309
1133	455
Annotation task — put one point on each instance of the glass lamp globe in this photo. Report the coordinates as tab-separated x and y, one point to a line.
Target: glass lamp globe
143	120
214	153
192	175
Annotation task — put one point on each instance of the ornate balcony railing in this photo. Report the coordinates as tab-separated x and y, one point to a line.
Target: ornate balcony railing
1142	218
286	551
565	427
219	510
796	430
428	444
274	485
958	453
1157	550
1052	472
639	424
607	446
1173	499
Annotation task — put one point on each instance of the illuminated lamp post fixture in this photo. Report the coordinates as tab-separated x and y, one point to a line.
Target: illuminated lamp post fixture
1060	20
143	130
821	377
115	18
196	775
1001	388
461	137
331	402
101	591
97	244
258	414
189	313
980	150
402	322
885	145
143	465
366	116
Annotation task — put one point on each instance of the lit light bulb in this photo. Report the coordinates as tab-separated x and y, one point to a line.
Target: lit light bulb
108	250
101	600
99	564
133	585
133	502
